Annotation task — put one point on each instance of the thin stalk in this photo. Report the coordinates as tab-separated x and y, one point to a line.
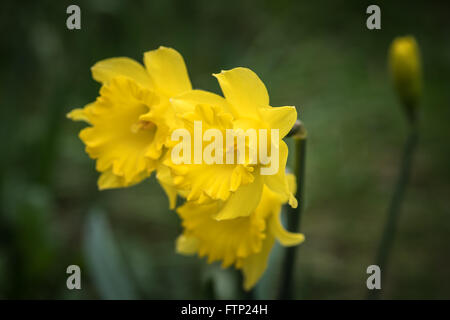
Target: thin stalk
390	227
293	220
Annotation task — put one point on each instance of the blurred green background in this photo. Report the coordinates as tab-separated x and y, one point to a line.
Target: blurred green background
317	55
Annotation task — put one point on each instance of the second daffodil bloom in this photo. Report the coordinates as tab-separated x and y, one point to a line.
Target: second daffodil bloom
244	242
236	186
130	121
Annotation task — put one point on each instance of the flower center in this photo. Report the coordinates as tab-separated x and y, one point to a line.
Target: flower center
142	125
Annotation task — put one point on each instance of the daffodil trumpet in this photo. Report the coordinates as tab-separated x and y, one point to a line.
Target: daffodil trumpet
231	149
130	122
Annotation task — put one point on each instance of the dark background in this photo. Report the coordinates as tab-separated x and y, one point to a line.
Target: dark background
317	55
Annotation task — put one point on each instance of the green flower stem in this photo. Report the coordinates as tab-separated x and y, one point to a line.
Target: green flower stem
385	247
293	217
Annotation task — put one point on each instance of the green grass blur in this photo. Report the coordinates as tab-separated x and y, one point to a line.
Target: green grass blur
316	55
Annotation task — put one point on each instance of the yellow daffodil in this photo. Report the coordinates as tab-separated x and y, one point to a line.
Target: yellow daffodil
131	120
234	190
406	70
237	186
244	242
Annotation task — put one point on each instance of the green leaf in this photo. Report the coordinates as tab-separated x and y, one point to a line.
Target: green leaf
103	259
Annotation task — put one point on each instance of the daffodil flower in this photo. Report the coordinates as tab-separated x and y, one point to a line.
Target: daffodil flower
131	120
244	242
237	186
232	209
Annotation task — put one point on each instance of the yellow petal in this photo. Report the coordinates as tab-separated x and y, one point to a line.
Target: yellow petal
254	266
187	245
168	71
186	102
117	138
213	180
278	182
285	237
78	115
165	180
108	180
228	241
291	182
104	71
242	202
244	91
281	118
293	189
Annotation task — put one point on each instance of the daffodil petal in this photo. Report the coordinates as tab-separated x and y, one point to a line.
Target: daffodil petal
213	180
285	237
187	245
108	180
78	115
254	266
278	182
281	118
168	71
104	71
165	180
187	101
242	202
293	189
229	241
114	138
243	90
292	184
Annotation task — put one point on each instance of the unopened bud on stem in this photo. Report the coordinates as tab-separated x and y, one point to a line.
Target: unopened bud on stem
406	72
298	130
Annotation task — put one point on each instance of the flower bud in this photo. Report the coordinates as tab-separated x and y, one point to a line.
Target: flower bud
405	67
298	130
